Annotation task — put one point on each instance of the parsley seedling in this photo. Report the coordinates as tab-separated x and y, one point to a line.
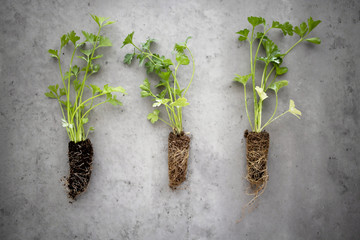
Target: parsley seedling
271	64
75	112
172	96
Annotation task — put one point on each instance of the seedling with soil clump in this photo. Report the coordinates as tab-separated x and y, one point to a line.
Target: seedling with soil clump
171	97
75	110
258	140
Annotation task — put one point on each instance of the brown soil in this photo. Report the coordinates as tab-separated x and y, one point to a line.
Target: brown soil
257	147
80	161
178	154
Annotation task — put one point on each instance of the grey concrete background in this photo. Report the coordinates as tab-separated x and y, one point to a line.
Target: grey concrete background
313	192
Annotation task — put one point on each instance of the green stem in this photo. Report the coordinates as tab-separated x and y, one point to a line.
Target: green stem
101	94
263	78
193	72
269	121
165	122
253	76
68	95
246	107
87	67
259	116
88	111
270	83
276	118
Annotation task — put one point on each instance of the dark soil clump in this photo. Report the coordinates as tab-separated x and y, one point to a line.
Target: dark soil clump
257	147
178	154
80	161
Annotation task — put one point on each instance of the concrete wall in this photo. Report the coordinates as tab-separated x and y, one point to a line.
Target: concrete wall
313	190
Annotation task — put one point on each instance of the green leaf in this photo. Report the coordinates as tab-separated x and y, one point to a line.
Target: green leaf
255	21
91	129
141	58
98	56
118	89
146	85
273	54
75	70
86	52
164	75
293	110
180	102
108	89
179	92
150	66
84	120
145	94
84	58
64	40
286	28
104	42
162	94
95	89
277	85
128	58
315	40
113	100
65	103
301	31
312	24
89	37
95	68
281	70
154	116
243	34
260	35
77	85
181	46
146	45
54	88
242	79
108	23
182	58
62	92
167	62
54	53
73	38
128	39
50	95
99	20
303	28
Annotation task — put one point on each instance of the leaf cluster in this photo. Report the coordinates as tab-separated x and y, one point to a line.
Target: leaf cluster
74	109
273	59
170	95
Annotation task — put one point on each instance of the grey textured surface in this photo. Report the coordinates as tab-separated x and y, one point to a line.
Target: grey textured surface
313	192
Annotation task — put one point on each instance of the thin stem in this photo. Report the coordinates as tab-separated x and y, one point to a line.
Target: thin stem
270	83
269	121
165	122
193	73
68	95
253	77
101	94
259	116
276	118
263	78
246	107
87	112
87	66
